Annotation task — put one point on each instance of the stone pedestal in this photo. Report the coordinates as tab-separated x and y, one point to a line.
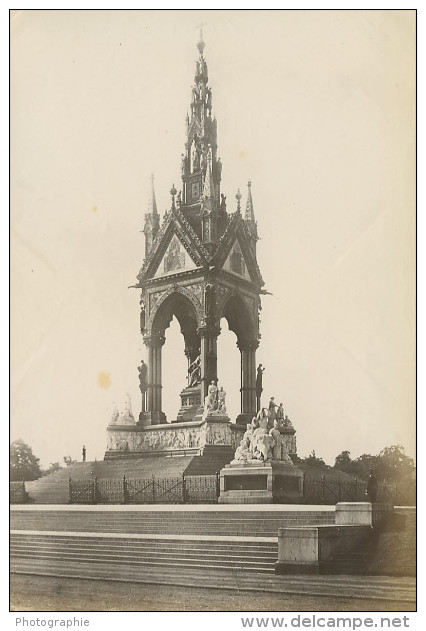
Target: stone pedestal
190	404
261	483
151	418
169	439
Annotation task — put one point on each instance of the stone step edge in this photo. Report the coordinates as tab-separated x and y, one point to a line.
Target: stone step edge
82	547
131	535
185	508
197	562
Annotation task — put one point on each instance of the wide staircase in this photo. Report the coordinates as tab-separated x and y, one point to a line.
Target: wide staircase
74	540
54	488
175	521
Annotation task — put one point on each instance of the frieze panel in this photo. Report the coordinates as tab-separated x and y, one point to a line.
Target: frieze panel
197	290
175	437
154	298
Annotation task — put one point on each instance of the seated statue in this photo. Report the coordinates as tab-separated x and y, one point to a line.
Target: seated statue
262	444
211	400
123	416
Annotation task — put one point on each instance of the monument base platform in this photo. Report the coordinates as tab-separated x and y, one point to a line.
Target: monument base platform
173	439
261	483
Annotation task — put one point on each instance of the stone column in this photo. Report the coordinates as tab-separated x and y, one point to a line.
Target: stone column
208	338
153	414
248	381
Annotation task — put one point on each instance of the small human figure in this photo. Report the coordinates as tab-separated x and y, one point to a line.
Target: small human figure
83	451
210	402
372	487
280	414
287	422
221	395
259	385
263	419
142	316
272	410
277	448
143	371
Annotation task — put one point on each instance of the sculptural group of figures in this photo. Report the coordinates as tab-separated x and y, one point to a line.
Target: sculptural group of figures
261	443
215	400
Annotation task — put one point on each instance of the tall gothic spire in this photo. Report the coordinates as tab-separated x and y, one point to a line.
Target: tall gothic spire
152	203
201	137
152	219
249	217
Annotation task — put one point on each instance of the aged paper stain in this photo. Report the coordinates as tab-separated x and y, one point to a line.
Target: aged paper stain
104	379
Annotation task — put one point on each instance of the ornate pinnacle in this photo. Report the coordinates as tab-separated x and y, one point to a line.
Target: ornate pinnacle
249	206
152	204
201	45
238	197
173	192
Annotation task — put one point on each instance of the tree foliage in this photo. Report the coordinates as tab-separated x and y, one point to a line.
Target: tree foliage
313	461
23	463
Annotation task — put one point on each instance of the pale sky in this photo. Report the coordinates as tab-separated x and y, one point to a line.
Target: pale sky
317	108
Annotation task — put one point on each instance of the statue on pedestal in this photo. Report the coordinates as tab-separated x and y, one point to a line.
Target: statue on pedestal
221	396
211	400
272	410
259	385
277	448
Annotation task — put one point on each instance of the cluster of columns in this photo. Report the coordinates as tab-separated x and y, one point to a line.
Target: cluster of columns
208	335
248	380
153	413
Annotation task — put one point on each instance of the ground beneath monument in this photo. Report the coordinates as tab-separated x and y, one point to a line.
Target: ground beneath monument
42	593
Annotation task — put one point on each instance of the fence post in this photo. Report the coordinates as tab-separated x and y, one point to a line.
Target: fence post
69	491
356	489
339	491
124	490
304	487
217	484
95	490
153	488
183	489
323	488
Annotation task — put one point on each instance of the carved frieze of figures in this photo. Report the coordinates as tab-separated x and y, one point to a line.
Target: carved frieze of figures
196	290
154	298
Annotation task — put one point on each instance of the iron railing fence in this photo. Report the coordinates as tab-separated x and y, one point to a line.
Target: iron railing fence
194	489
204	489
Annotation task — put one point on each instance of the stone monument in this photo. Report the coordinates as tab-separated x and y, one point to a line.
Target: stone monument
200	266
262	471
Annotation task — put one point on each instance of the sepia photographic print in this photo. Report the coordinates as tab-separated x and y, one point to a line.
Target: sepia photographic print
213	268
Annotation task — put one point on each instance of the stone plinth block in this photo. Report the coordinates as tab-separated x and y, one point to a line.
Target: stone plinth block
190	404
260	483
354	514
308	549
172	439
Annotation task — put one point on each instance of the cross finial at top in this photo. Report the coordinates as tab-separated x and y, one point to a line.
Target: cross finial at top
201	45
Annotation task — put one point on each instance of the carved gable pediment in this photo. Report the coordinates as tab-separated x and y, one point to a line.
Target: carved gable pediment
236	263
175	259
176	249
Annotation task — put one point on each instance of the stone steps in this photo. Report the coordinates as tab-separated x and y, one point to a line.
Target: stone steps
170	522
232	555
